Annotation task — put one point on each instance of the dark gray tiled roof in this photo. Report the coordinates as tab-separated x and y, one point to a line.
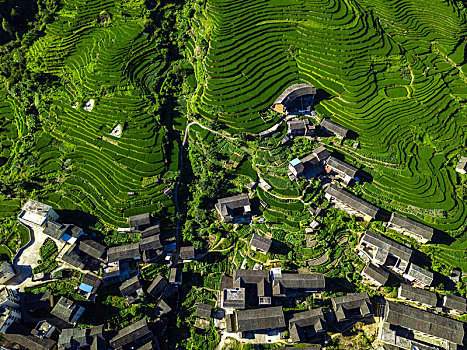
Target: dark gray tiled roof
311	322
91	280
91	248
431	324
228	204
260	242
294	91
420	274
376	273
257	319
54	229
131	333
21	335
65	309
5	269
413	226
150	231
301	280
455	302
74	338
203	310
352	201
341	167
401	251
130	286
234	298
74	257
321	153
297	124
73	230
418	294
187	252
175	275
128	251
157	286
333	127
150	242
343	305
140	220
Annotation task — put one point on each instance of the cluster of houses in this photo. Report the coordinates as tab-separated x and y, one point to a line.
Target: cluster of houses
47	322
250	305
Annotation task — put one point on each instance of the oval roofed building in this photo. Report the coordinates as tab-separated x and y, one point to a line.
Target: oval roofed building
297	98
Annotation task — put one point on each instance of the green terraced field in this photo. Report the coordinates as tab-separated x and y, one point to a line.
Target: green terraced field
97	50
393	71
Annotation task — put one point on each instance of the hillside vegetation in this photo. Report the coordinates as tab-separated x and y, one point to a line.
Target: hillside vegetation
391	71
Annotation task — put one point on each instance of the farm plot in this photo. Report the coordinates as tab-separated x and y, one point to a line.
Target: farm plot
394	74
110	72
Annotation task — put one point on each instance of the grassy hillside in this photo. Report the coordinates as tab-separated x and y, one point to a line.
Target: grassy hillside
391	71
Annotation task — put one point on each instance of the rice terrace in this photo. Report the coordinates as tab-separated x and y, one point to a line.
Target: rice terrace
233	174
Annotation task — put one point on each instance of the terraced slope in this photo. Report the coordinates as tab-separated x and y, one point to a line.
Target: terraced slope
100	52
393	72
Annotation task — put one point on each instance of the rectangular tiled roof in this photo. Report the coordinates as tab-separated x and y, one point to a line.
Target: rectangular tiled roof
418	294
257	319
352	201
388	245
413	226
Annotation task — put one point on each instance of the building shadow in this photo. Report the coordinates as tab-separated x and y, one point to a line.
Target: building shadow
339	284
78	218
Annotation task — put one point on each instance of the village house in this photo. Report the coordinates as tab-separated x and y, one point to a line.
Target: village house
422	233
123	252
54	229
75	257
412	328
132	289
9	309
295	284
352	307
383	251
67	311
375	274
89	286
7	272
321	153
23	336
175	276
419	276
71	234
151	248
350	203
233	299
187	253
417	295
85	338
296	99
157	287
334	129
344	171
43	329
461	167
36	214
455	304
307	324
263	184
132	336
260	244
308	167
300	127
92	248
204	310
234	209
139	222
259	320
151	231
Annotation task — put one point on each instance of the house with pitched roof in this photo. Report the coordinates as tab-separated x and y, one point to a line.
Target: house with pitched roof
92	248
82	338
132	336
383	251
308	167
7	272
187	253
455	304
123	252
132	289
204	310
67	310
260	244
140	222
89	286
294	284
352	307
417	295
305	325
234	209
422	233
300	127
340	169
419	276
259	320
157	287
333	128
412	328
350	203
296	99
375	274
